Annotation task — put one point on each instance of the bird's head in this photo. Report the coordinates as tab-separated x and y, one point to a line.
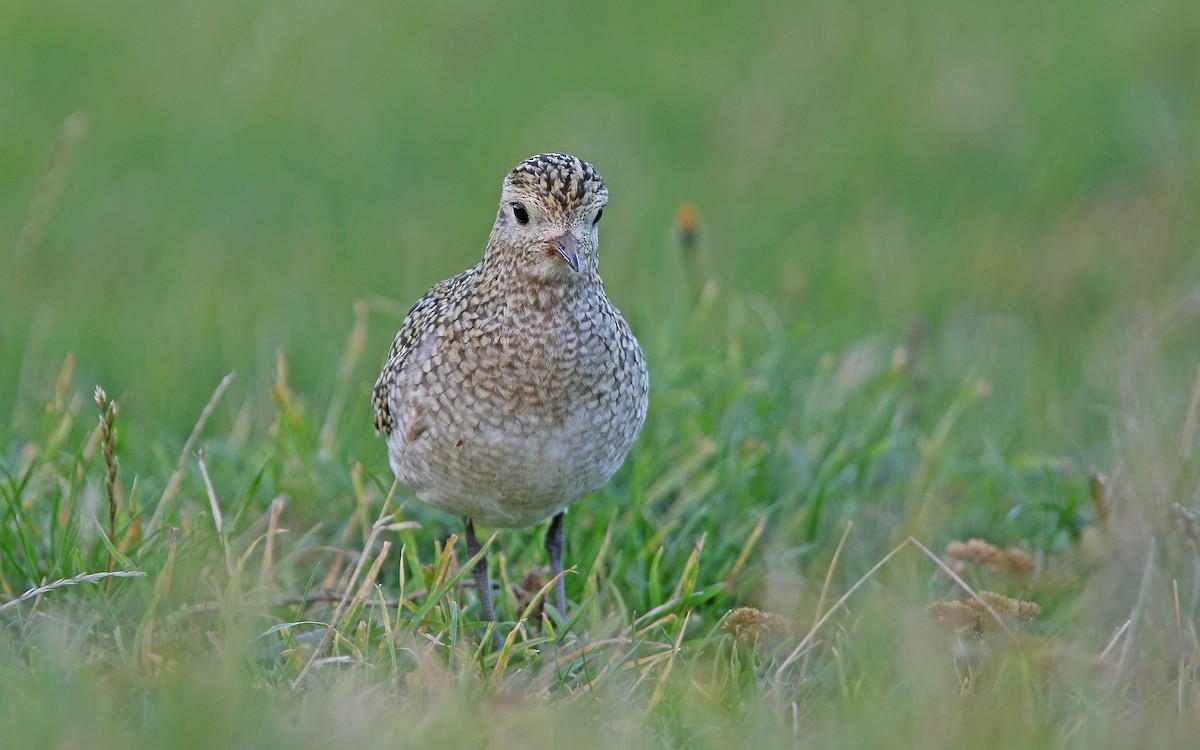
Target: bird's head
546	227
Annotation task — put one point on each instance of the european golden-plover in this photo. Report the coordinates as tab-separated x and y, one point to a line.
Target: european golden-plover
516	388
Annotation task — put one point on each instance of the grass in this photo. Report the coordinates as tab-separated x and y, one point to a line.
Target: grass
941	288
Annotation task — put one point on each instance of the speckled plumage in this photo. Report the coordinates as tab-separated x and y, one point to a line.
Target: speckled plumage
516	388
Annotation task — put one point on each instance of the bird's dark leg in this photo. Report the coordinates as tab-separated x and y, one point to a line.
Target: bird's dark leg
554	550
482	584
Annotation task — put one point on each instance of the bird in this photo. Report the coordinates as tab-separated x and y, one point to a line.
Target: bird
516	388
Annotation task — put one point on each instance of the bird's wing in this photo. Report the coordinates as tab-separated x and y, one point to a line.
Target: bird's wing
421	319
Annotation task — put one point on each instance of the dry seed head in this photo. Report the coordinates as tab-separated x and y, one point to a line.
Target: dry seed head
687	221
108	444
753	627
1012	561
108	435
971	616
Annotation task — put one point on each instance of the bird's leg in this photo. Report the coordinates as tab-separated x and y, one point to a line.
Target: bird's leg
554	550
482	584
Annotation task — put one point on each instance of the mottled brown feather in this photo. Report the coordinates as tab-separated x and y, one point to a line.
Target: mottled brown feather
515	388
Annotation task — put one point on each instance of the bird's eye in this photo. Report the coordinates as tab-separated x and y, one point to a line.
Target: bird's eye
598	215
520	214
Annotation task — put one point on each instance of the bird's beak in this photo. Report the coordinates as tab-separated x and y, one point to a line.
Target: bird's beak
565	245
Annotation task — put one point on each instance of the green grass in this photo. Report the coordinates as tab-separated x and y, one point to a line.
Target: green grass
944	280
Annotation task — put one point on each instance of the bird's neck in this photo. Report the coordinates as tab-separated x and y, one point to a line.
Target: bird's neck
548	284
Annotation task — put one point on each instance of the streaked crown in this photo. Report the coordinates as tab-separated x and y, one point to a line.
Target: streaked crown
565	182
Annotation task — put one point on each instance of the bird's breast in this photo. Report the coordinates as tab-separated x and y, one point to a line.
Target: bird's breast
522	410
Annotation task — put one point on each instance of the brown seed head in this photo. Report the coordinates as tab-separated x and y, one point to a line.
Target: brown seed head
754	627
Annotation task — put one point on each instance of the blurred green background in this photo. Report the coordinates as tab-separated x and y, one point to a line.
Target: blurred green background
187	187
1004	194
